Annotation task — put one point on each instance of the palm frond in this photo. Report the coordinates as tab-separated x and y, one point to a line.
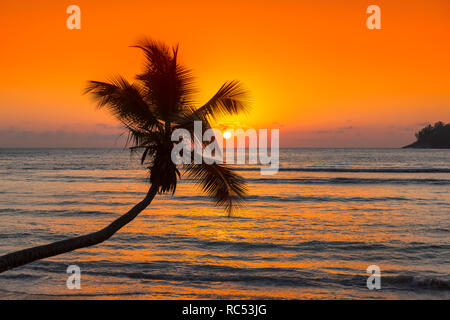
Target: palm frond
157	55
139	138
168	85
219	182
231	99
125	101
185	120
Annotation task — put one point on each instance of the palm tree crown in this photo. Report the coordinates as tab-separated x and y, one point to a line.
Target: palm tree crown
160	101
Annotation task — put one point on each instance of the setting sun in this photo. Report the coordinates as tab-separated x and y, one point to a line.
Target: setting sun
227	134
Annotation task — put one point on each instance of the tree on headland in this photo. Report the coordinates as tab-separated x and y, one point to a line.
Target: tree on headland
151	108
437	136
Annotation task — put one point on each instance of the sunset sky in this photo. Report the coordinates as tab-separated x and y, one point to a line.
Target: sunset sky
314	69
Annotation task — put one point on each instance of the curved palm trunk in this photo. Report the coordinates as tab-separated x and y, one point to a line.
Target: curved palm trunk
22	257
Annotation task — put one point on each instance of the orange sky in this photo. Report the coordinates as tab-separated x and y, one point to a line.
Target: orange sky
313	68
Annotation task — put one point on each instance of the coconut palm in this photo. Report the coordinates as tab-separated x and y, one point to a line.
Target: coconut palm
158	102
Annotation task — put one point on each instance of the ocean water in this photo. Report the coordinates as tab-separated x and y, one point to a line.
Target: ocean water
309	232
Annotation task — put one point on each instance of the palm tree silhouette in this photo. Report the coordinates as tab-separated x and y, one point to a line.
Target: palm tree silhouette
159	102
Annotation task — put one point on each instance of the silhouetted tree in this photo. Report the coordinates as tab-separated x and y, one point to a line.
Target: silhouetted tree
159	102
437	136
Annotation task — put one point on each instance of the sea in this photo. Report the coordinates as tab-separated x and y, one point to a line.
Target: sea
311	231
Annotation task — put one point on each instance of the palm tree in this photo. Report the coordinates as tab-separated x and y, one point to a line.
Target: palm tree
159	102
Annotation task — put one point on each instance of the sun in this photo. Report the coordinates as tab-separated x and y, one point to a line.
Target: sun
227	134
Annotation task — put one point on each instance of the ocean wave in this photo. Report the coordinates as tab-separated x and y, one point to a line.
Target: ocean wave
416	282
192	273
15	235
349	181
300	198
99	167
59	212
295	198
74	178
313	245
343	170
20	276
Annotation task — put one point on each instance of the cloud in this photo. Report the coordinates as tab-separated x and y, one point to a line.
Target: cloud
13	137
348	137
108	126
335	131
